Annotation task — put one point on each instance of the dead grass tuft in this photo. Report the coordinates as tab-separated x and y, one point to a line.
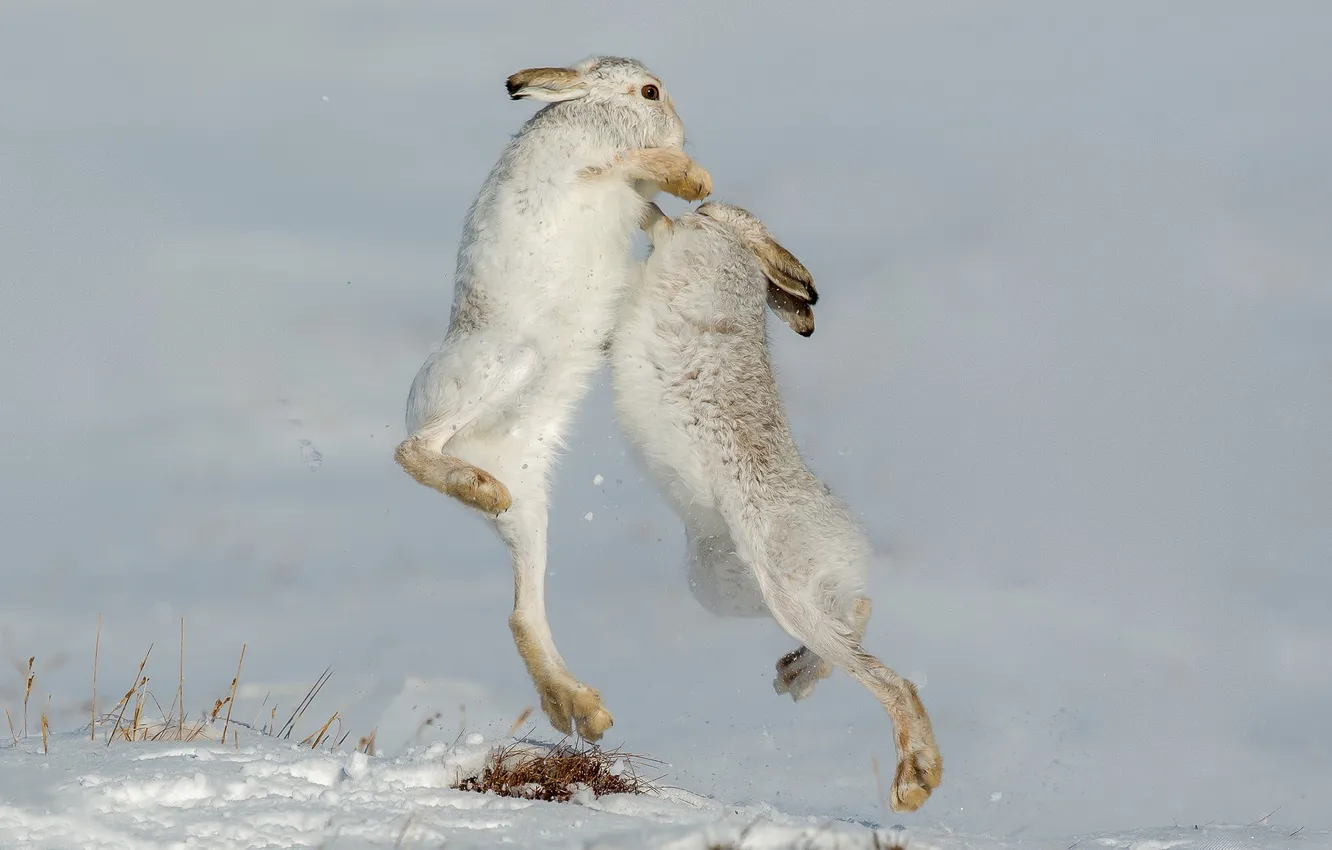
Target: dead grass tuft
513	771
138	716
129	720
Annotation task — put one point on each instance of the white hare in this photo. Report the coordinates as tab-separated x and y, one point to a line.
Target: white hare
695	393
543	265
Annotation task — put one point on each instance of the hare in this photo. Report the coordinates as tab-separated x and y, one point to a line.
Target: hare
543	266
695	394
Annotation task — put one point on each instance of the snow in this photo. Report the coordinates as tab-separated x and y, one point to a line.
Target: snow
1072	371
266	793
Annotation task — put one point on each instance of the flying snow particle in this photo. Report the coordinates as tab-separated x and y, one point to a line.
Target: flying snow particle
588	516
597	479
313	457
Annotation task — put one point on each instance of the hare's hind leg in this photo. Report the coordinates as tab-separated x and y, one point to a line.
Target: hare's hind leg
800	670
459	385
568	703
919	765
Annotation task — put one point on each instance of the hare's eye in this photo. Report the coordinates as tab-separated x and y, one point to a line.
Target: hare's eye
650	92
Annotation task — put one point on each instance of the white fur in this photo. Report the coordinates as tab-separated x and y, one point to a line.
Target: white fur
696	395
543	264
701	407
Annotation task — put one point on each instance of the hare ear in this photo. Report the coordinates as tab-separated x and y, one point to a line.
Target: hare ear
795	312
546	84
784	271
791	292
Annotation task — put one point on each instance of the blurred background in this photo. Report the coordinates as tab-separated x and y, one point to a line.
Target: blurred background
1073	370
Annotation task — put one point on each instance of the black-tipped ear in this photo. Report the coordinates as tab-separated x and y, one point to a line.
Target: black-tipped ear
794	311
546	84
785	272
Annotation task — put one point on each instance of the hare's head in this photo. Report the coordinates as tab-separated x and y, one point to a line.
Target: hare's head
623	92
791	292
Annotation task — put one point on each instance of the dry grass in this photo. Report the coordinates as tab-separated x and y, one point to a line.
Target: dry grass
27	692
97	653
139	717
878	783
174	727
512	771
139	687
522	718
367	744
180	680
231	697
139	727
286	730
314	739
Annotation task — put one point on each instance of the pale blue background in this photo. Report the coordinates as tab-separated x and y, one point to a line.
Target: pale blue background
1073	366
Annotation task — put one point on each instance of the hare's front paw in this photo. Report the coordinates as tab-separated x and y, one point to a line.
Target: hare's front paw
572	705
453	477
695	185
798	672
674	171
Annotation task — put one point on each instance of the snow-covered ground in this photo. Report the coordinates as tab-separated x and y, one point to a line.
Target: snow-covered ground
1072	368
262	793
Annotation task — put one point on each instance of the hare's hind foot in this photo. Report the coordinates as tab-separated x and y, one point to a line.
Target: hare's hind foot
917	775
453	477
798	672
570	705
919	765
